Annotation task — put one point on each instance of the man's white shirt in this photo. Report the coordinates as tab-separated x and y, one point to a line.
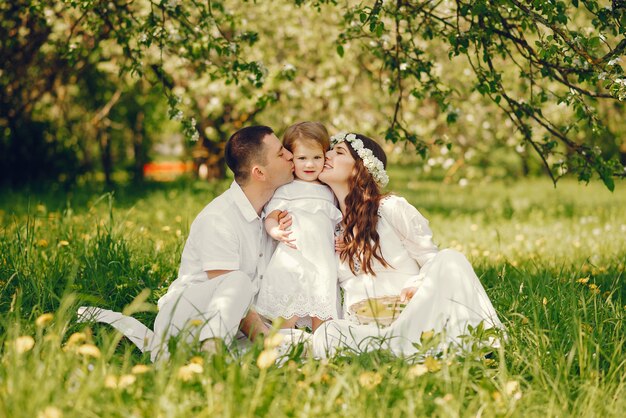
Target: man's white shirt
226	235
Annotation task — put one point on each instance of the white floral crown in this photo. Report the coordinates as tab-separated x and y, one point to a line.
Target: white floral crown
373	165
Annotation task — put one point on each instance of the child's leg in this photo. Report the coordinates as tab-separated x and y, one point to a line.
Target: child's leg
290	322
315	322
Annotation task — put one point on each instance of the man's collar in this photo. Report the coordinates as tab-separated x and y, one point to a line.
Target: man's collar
242	202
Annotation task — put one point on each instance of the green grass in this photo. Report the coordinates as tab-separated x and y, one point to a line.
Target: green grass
531	245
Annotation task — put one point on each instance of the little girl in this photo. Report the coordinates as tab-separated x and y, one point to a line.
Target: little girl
300	281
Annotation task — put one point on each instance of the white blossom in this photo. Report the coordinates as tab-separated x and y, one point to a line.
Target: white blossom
614	61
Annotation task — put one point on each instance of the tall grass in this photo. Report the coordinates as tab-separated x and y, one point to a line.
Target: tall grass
552	261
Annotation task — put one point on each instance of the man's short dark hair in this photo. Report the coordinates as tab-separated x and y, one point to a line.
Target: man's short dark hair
244	148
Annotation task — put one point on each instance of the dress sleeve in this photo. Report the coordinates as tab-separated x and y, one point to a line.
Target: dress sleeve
217	244
414	233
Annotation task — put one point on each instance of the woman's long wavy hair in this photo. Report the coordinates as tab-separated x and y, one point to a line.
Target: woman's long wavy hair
361	239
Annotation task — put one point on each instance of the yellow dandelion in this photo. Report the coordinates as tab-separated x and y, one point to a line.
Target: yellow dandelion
196	322
545	301
140	369
188	372
50	412
427	335
126	380
266	358
432	364
418	370
166	229
178	218
446	399
110	381
24	343
75	339
41	208
63	243
583	280
42	243
44	320
594	288
524	321
273	340
369	380
89	350
197	360
511	387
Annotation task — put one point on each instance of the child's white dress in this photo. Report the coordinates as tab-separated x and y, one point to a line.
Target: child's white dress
303	282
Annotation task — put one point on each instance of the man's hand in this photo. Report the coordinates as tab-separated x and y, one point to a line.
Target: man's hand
407	294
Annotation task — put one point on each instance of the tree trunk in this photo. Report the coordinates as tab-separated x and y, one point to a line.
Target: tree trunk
138	151
105	154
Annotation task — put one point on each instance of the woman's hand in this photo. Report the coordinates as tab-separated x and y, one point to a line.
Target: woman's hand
339	244
407	294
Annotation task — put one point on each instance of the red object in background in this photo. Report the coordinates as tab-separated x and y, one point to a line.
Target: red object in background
166	170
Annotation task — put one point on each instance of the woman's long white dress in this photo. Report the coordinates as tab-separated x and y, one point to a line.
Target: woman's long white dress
302	282
449	297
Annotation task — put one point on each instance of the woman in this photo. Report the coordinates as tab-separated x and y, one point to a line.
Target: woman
386	250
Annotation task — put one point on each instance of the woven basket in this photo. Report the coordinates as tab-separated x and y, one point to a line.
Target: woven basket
380	311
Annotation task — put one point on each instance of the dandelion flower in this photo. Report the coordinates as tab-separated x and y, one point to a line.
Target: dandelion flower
126	380
75	339
44	320
583	280
196	322
266	358
24	343
110	381
594	288
50	412
140	369
427	335
418	370
369	380
63	243
273	341
197	360
545	301
42	243
89	350
432	364
186	373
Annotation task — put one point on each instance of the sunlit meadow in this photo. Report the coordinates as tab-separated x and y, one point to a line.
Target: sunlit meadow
552	261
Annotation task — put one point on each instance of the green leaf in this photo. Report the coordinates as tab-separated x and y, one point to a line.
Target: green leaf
340	50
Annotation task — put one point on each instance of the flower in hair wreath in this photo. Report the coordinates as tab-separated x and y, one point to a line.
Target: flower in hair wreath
373	165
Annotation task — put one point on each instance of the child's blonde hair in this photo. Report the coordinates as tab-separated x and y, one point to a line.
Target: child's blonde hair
307	132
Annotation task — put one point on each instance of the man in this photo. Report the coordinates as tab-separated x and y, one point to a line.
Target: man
223	257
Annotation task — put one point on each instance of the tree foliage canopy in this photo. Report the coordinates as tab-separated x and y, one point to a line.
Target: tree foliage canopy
548	71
